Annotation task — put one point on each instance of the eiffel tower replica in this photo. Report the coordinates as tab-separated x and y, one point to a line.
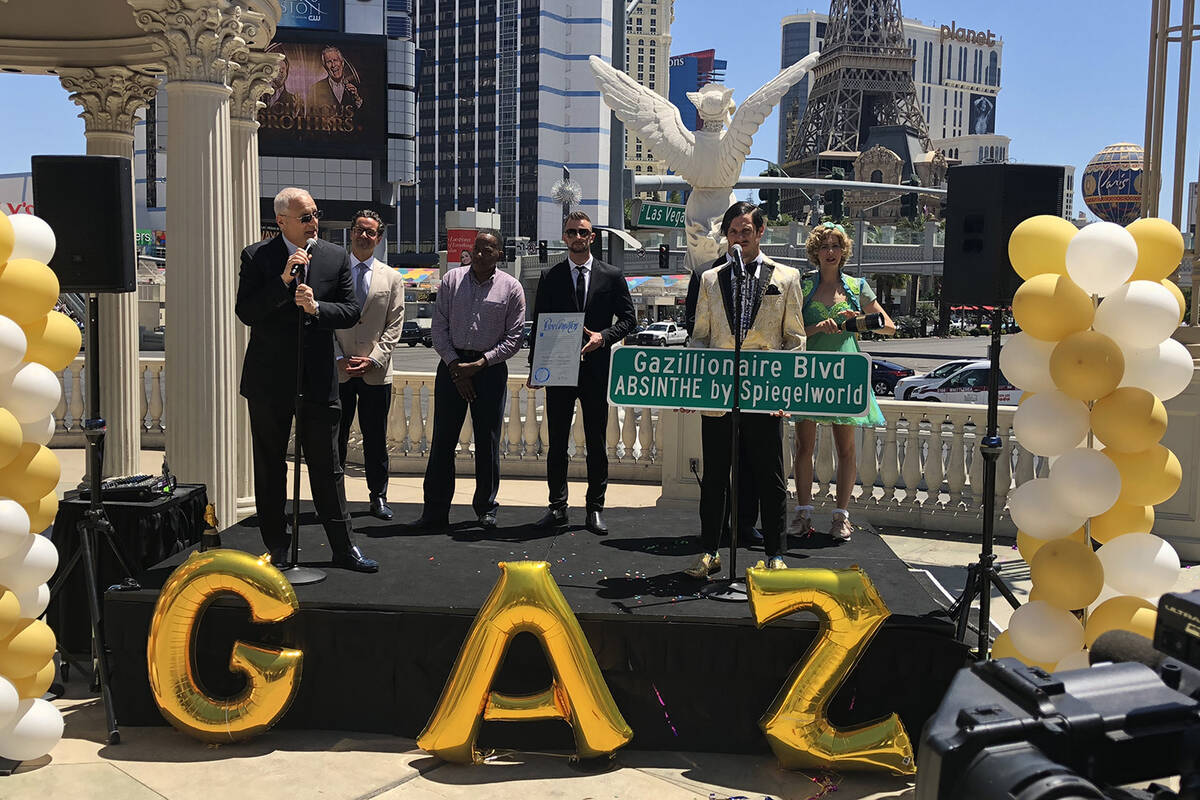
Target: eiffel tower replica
864	79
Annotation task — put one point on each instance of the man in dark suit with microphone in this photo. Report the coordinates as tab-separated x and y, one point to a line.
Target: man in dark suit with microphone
296	273
582	283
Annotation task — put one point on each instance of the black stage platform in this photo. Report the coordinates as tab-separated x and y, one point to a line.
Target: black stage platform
688	673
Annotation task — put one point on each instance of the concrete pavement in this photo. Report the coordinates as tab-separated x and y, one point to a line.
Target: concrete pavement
162	763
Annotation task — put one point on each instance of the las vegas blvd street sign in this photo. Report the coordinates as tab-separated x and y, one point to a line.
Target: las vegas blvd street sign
648	214
795	381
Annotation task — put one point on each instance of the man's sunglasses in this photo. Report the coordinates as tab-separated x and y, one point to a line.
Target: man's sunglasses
584	232
307	218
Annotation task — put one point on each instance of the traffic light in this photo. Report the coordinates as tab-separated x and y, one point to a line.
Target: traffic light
510	253
769	200
543	251
908	205
664	256
834	199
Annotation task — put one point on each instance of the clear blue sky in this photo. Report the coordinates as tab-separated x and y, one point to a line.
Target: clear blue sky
1074	77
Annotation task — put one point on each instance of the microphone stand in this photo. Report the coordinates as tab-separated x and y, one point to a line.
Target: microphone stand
731	589
296	574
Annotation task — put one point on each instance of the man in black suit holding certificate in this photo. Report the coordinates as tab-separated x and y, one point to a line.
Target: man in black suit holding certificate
582	283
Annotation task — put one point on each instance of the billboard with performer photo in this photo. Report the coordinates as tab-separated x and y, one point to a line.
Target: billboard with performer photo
983	114
329	99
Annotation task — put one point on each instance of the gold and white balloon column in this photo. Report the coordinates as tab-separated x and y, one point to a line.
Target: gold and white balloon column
35	342
1096	377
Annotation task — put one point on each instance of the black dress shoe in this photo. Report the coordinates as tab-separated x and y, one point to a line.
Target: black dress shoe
379	509
429	523
487	520
553	518
595	524
353	559
281	559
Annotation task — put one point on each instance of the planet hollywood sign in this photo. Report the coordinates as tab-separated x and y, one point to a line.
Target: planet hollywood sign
952	31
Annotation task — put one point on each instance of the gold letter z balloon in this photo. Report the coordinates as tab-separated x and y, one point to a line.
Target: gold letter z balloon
272	676
850	610
525	599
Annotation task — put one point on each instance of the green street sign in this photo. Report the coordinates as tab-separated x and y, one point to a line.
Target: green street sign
795	381
143	237
648	214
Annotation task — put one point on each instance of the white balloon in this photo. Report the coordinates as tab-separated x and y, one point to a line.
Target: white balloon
1041	632
1138	314
1025	361
33	731
40	431
1078	660
9	699
33	562
14	527
12	344
1085	481
1164	370
33	600
1035	511
33	393
1101	257
1051	423
1140	564
32	238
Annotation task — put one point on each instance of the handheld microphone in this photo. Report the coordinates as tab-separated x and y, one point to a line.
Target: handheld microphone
308	246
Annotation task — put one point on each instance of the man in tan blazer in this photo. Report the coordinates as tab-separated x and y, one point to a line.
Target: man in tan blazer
771	318
364	354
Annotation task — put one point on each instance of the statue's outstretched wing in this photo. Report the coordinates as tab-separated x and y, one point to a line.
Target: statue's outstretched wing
648	114
751	114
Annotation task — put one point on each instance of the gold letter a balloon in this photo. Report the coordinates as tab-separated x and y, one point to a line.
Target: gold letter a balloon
850	610
272	676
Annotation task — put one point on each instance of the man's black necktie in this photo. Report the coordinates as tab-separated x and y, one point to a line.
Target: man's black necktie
580	288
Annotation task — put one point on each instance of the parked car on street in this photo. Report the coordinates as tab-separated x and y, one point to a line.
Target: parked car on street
885	375
637	328
427	337
663	334
410	334
905	386
968	385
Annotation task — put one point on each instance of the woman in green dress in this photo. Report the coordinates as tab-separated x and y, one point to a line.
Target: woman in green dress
830	298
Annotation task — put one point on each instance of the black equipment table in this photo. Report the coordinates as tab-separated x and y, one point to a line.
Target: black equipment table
146	532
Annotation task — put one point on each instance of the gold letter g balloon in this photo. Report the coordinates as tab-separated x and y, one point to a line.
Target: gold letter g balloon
271	675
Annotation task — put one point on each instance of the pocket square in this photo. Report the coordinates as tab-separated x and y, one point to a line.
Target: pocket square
772	289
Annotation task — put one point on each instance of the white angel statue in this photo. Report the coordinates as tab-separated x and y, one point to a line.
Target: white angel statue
709	159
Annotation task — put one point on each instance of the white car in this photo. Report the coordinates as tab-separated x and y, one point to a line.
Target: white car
968	385
662	334
905	386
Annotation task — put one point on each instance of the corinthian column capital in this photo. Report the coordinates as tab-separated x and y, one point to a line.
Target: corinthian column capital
109	96
250	82
200	36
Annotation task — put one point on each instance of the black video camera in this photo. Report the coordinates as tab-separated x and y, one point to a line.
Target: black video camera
1005	730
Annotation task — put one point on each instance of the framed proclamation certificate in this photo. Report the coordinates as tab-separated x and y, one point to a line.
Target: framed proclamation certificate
558	341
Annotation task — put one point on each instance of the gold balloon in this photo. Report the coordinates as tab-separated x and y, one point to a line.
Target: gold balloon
35	685
1067	574
272	676
1028	545
52	341
28	289
524	600
30	475
1121	519
10	612
1179	298
1087	365
1004	648
1160	248
1121	613
1051	307
11	437
1129	420
1039	245
42	513
7	237
1149	477
26	648
850	610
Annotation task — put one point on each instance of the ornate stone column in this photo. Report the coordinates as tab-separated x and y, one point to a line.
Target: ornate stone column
110	96
250	83
201	362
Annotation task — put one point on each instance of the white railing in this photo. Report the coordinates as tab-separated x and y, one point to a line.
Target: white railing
922	465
